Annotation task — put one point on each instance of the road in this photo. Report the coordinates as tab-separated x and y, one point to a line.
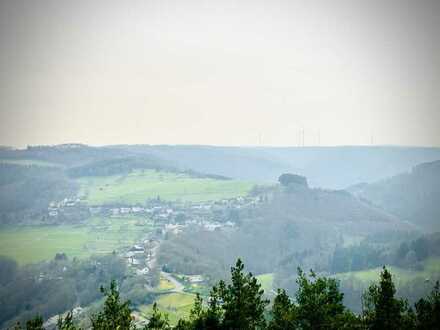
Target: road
178	287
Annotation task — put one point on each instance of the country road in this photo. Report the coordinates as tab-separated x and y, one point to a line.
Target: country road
178	287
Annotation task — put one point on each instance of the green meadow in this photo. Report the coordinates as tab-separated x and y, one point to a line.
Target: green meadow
165	285
361	279
176	305
32	244
266	281
29	162
139	186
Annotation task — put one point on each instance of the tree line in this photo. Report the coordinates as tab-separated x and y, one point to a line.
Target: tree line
240	304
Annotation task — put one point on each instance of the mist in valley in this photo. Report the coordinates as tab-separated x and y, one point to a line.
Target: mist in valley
219	165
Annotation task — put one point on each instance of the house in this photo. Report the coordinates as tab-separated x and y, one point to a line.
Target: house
143	271
211	226
175	229
95	210
135	262
125	210
130	254
53	213
195	278
137	247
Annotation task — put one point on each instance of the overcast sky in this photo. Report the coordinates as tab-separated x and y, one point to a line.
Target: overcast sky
220	72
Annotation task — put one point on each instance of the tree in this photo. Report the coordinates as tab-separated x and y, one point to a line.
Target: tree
283	312
287	179
157	321
428	310
318	305
381	309
242	300
60	256
200	318
66	323
239	305
115	314
35	324
319	302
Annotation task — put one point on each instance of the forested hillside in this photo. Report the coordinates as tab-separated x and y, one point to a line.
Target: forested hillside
325	167
27	190
413	196
168	222
240	304
295	225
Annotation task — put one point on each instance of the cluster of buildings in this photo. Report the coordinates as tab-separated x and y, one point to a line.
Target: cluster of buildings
168	218
142	256
55	208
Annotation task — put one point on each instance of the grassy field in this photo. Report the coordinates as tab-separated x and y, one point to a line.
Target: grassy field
138	186
29	162
362	279
266	281
178	305
100	235
165	284
175	305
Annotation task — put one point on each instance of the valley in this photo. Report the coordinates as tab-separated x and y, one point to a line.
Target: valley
168	233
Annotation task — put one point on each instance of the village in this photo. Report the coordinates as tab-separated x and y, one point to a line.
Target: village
172	218
167	217
172	215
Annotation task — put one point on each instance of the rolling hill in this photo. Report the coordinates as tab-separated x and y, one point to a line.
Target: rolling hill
413	196
327	167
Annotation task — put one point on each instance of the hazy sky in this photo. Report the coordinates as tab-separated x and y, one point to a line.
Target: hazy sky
219	72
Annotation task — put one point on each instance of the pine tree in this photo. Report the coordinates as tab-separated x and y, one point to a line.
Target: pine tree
157	321
115	314
66	323
319	302
242	301
428	310
283	312
35	324
382	310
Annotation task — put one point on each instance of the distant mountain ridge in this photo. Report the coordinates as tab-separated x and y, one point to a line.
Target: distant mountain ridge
326	167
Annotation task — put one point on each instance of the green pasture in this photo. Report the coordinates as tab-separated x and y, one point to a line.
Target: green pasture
266	281
165	284
29	162
175	305
98	236
361	279
139	186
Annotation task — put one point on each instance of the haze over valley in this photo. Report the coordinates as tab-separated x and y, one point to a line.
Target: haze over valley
219	165
168	221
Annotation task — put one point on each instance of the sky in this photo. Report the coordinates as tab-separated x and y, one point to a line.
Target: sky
220	72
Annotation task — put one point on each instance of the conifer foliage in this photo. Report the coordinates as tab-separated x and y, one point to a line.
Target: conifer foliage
240	305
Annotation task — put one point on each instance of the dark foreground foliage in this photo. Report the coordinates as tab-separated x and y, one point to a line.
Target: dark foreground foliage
240	305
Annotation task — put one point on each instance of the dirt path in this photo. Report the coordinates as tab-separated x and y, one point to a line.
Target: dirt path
178	287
